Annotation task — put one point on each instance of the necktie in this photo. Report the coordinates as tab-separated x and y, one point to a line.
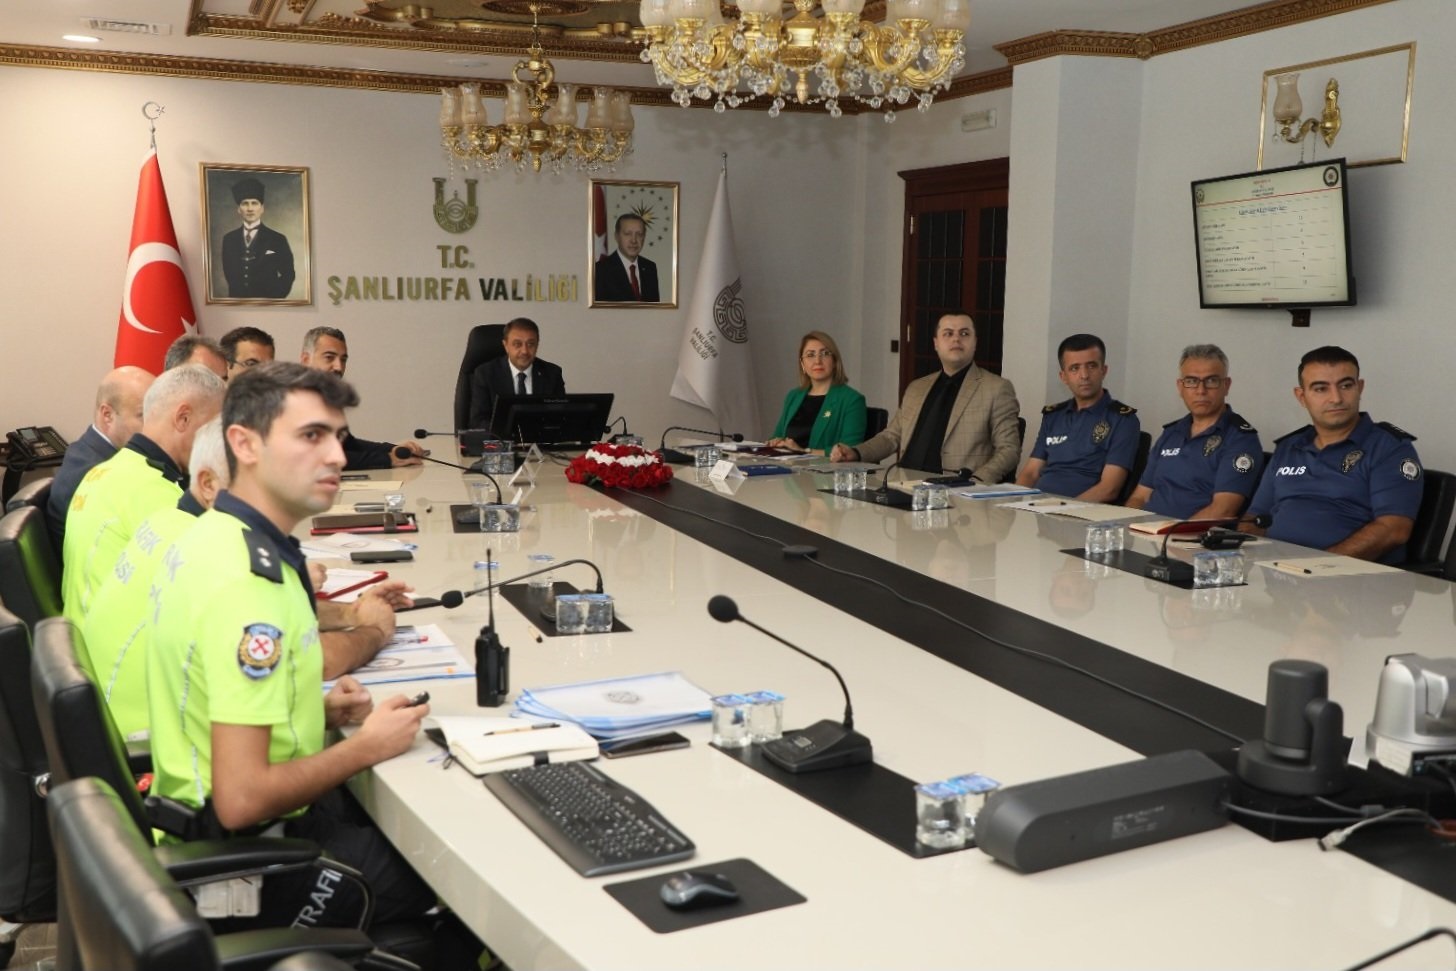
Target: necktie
248	236
521	383
632	275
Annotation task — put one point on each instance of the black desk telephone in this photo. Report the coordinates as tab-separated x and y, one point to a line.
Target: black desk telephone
32	445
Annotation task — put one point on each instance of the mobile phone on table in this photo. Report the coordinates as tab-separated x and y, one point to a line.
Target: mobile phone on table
381	556
641	746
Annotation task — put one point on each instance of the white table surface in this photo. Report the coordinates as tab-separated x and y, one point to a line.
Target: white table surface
1221	899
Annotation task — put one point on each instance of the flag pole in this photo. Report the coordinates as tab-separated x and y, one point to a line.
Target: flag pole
148	110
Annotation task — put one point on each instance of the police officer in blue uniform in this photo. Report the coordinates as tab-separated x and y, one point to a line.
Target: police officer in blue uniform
1087	444
1345	483
1206	464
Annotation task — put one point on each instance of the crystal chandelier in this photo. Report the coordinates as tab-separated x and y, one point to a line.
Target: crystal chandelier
537	127
917	50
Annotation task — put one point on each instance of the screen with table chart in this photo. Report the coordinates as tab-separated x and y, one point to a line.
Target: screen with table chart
1278	238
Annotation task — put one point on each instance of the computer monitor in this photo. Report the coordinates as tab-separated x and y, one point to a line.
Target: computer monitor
557	420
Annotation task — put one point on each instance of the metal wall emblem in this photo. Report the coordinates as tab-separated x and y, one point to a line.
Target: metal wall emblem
455	216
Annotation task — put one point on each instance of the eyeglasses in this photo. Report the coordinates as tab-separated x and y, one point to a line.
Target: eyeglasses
1211	382
818	355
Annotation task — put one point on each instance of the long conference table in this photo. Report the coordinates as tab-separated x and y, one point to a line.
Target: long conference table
937	699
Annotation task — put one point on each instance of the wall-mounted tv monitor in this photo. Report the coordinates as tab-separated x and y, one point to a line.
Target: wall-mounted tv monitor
558	420
1277	238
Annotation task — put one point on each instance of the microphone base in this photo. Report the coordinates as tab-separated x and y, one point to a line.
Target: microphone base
1169	571
675	457
823	745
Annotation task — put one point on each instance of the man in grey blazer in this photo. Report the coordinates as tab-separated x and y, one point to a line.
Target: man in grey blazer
960	419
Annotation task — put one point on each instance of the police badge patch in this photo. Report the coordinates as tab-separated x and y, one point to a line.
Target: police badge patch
1100	432
1244	463
260	650
1214	441
1410	469
1352	458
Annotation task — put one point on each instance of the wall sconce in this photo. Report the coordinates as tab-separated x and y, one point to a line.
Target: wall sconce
1288	107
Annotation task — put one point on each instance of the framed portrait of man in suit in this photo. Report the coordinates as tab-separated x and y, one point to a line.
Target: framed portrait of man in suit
255	231
632	244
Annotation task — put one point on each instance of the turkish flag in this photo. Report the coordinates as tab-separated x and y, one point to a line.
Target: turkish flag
156	307
599	223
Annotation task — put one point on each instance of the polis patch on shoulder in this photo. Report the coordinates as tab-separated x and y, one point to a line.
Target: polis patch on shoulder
260	650
1244	463
1410	469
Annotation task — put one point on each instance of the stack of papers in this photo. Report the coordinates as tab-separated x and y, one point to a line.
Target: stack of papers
997	490
621	707
417	653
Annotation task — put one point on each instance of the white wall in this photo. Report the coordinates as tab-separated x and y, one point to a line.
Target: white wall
70	188
1197	122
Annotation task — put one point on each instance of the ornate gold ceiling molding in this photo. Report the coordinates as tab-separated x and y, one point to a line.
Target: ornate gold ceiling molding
978	83
1209	30
501	40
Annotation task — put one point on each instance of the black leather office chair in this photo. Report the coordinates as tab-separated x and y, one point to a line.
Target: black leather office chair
121	911
36	493
485	343
875	421
1428	535
1139	464
30	572
27	863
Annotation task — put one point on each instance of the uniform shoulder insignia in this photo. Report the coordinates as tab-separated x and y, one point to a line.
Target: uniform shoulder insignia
1048	409
263	556
1246	427
1297	431
1122	409
1170	424
1397	431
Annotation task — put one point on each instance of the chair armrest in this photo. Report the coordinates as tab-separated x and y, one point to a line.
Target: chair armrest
206	861
1428	567
258	950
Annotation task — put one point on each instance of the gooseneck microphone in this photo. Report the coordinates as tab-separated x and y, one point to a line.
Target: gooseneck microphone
824	744
403	452
677	457
451	599
422	433
1219	537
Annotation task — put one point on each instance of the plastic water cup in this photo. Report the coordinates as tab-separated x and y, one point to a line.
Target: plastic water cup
571	610
481	575
730	721
599	609
848	481
500	517
539	587
394	503
765	716
1096	542
706	456
940	820
974	788
630	440
929	495
1219	568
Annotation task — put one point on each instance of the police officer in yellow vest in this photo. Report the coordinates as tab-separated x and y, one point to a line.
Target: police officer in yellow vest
235	668
145	475
117	627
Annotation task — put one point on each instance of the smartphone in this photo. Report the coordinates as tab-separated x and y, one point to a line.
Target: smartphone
381	556
641	746
418	699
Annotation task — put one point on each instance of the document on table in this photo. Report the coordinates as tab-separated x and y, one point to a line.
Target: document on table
620	707
1092	512
997	490
366	485
338	546
1329	566
417	653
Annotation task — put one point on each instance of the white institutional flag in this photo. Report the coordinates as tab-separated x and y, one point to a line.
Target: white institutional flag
714	367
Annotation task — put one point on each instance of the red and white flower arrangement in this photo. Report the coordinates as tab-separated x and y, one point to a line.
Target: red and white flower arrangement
620	467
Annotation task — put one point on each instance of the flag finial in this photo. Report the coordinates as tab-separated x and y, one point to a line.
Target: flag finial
151	111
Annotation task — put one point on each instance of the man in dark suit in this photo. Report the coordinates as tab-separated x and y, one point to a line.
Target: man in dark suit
256	260
626	276
518	371
326	349
118	416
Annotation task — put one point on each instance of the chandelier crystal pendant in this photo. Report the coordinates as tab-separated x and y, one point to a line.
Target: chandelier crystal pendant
917	51
538	127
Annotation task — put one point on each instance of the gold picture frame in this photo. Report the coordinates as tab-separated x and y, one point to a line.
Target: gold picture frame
655	206
1375	108
272	265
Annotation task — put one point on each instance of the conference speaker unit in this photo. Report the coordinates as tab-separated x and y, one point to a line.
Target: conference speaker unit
1053	822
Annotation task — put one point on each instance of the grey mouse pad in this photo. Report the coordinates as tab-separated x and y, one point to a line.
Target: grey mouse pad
758	890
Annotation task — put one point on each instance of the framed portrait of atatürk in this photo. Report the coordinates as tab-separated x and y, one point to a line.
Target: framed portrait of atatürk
632	244
255	231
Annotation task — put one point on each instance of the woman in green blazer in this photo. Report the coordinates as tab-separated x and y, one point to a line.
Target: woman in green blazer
823	411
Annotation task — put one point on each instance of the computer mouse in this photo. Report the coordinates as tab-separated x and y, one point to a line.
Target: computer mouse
691	889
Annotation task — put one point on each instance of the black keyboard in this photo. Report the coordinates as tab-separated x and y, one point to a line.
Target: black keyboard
595	824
